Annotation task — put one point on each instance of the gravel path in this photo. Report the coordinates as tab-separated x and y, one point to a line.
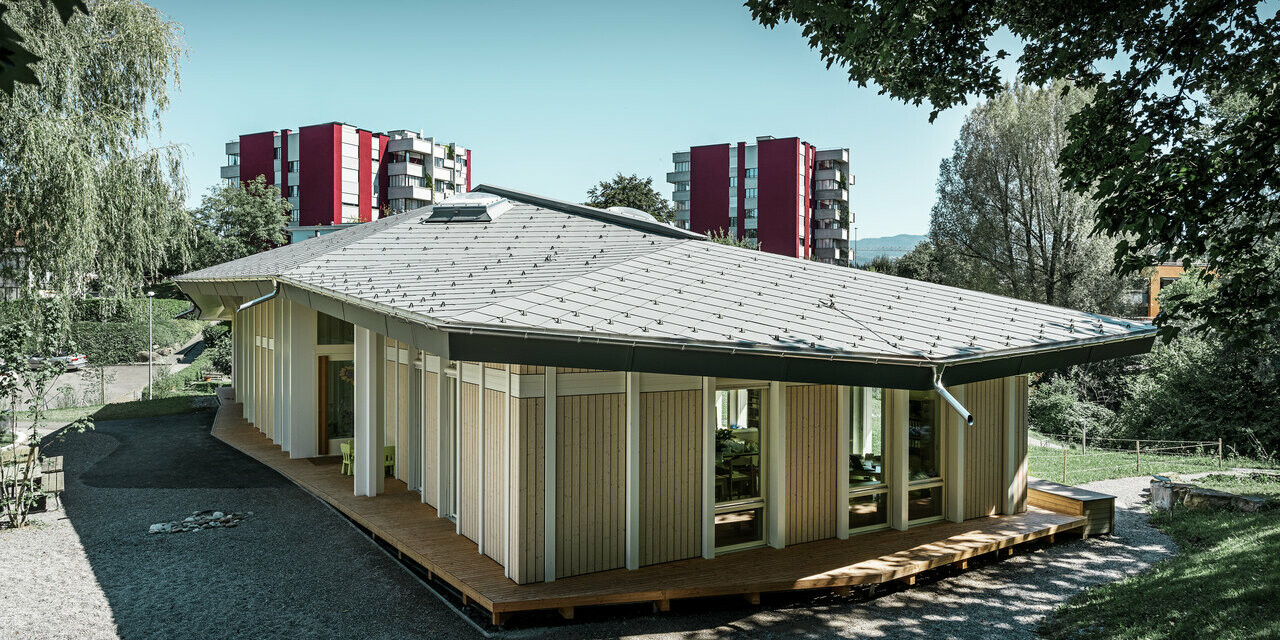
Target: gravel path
294	569
1005	599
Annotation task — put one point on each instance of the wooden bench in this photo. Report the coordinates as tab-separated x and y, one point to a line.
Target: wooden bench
1099	509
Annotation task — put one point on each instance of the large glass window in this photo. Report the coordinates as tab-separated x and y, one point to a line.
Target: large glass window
741	416
330	330
868	493
924	455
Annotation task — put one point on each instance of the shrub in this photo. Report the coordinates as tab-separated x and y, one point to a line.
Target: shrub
127	309
1055	408
118	342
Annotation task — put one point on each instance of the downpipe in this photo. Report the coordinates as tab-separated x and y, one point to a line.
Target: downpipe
951	400
259	300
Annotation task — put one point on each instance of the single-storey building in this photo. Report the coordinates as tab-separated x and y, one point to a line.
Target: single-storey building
574	390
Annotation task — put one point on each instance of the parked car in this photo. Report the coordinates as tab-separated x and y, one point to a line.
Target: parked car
69	362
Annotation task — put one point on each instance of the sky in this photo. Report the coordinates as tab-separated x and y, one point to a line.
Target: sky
550	97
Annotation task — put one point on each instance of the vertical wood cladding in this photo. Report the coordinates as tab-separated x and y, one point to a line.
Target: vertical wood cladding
670	471
590	469
812	429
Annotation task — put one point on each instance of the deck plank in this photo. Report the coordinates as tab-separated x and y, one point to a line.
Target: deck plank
399	517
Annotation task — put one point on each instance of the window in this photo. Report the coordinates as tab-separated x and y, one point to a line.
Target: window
293	166
868	493
330	330
682	186
233	160
276	153
682	166
733	181
828	184
440	162
752	172
924	456
292	191
403	180
752	192
741	422
751	214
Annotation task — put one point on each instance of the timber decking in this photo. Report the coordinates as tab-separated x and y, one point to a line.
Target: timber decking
1098	509
401	519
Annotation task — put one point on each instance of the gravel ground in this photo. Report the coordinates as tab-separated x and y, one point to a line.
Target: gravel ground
294	569
1005	599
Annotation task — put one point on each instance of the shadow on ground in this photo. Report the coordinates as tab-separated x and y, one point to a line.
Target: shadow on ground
293	569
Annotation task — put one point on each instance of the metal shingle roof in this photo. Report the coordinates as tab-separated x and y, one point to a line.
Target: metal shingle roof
563	271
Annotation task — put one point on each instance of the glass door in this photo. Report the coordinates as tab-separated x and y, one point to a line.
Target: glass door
739	484
337	403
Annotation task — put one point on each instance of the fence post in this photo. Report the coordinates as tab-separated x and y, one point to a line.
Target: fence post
1137	457
1219	454
102	382
1084	443
1064	464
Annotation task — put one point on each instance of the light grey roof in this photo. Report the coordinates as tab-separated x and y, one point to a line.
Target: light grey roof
556	269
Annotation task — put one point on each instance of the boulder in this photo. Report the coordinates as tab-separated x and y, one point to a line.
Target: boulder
142	356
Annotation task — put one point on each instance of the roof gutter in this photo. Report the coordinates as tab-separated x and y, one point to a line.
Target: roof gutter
259	300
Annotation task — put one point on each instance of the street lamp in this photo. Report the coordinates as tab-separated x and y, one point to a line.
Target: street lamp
151	347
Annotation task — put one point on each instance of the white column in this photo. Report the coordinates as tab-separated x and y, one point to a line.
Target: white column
235	354
414	422
953	481
304	433
370	436
844	411
708	468
776	487
480	466
279	384
896	443
508	464
250	364
633	470
549	484
1010	463
444	434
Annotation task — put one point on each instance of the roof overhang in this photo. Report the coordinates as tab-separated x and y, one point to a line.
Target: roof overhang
217	299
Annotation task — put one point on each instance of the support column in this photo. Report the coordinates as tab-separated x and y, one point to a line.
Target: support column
953	478
303	412
843	419
1010	463
708	468
480	462
508	554
370	409
280	379
235	354
633	470
444	434
896	406
549	484
414	421
250	375
776	467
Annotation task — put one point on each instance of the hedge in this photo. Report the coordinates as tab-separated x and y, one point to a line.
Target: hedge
126	310
119	342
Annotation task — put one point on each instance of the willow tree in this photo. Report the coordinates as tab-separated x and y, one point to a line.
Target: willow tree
85	200
1003	217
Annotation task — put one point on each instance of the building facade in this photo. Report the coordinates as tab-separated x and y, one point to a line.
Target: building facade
785	195
335	174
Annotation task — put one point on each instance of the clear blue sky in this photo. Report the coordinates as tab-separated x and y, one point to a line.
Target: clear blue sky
551	97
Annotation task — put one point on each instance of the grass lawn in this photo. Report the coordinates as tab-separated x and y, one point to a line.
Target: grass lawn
1046	463
1223	584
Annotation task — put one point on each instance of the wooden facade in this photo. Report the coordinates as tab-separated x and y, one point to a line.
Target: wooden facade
613	485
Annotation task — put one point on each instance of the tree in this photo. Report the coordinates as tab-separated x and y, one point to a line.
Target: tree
720	236
15	59
1174	179
631	191
1003	219
83	198
238	220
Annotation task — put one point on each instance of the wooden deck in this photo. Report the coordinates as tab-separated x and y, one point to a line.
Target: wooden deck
402	520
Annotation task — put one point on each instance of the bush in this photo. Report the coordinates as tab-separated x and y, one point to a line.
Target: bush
127	310
212	332
118	342
1055	408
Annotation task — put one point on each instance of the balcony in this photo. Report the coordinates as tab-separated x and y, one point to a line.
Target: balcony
839	155
680	195
828	174
677	176
233	148
418	145
826	214
831	194
837	233
405	168
416	193
231	171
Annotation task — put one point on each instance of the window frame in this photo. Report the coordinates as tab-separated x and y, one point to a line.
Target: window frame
762	501
852	491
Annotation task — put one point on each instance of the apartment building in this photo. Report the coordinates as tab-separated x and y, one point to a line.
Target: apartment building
784	194
336	175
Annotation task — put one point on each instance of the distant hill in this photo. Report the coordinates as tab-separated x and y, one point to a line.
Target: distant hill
891	247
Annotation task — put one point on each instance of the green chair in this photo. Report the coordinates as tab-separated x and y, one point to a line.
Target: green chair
348	458
389	459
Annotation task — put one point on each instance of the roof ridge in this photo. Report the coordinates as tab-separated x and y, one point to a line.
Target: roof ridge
587	211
